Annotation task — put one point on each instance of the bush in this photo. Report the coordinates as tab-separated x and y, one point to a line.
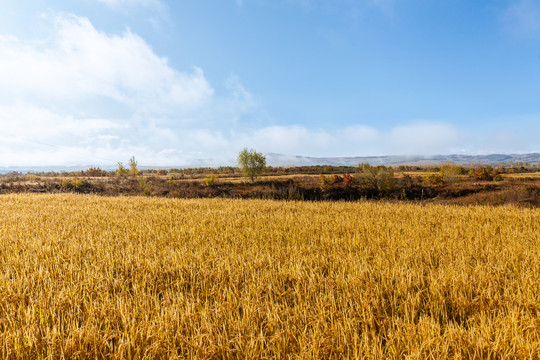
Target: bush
327	183
121	170
145	186
482	174
32	177
376	178
95	172
450	172
435	179
347	180
210	180
76	185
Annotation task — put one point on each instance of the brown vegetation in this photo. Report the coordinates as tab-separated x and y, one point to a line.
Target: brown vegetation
446	184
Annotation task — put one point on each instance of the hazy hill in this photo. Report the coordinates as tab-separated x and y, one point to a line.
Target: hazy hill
273	159
287	160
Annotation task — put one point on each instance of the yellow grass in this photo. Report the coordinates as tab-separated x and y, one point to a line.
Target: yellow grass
92	277
532	175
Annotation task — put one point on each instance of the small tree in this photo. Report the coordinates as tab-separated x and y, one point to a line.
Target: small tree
95	172
450	172
376	178
121	170
327	183
251	163
133	166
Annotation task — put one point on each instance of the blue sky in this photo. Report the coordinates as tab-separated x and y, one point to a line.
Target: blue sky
170	82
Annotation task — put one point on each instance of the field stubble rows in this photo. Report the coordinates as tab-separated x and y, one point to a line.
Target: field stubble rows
94	277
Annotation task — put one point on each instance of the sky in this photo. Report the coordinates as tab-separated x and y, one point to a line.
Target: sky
173	82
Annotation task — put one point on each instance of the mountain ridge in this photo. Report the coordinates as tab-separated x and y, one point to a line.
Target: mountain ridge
274	159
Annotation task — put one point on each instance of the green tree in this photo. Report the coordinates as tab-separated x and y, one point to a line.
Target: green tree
251	163
133	170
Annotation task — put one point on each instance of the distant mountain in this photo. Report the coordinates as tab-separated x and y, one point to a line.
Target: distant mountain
52	168
273	159
288	160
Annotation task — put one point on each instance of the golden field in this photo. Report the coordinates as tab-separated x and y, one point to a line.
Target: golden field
97	277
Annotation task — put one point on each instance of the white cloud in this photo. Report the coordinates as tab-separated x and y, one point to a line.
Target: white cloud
289	139
29	135
67	90
415	138
80	62
361	133
81	88
422	138
44	125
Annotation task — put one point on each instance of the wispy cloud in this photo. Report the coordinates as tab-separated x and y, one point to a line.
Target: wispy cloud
422	138
522	17
116	4
387	7
352	7
413	138
156	12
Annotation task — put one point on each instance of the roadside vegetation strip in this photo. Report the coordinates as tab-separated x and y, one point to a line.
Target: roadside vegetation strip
97	277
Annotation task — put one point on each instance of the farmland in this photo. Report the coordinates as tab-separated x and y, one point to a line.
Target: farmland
142	277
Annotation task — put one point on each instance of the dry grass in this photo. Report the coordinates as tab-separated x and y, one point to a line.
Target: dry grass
531	175
91	277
